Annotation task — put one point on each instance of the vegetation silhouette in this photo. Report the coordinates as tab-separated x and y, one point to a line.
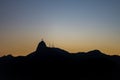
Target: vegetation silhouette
55	63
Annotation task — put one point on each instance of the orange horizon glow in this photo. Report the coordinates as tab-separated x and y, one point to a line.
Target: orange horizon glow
27	48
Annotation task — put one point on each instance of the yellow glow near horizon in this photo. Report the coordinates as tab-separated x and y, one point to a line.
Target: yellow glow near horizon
25	48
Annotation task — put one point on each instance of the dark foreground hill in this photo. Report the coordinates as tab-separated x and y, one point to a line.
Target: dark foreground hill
54	64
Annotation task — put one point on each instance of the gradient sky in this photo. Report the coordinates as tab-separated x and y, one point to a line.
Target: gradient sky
73	25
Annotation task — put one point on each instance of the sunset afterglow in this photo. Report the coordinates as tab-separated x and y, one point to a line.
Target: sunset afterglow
73	25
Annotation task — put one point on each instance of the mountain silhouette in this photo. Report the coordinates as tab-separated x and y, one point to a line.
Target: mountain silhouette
55	63
42	45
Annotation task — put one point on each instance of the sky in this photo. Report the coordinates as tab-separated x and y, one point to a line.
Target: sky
73	25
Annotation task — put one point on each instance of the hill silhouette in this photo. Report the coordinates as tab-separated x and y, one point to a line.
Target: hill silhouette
54	63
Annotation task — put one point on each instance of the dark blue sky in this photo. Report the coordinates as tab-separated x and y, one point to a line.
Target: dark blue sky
89	24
